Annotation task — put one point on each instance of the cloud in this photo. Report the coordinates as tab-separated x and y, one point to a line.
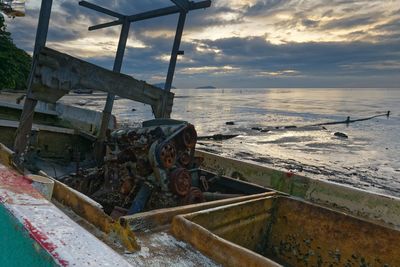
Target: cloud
382	65
317	57
278	73
237	43
352	22
212	70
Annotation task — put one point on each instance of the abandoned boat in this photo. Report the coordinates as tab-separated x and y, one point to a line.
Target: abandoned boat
79	191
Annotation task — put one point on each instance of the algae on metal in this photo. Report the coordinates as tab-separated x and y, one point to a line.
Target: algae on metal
372	206
288	231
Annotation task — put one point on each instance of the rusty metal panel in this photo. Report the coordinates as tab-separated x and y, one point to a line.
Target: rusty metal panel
231	235
289	231
160	217
286	182
308	235
244	224
84	207
6	156
57	73
376	207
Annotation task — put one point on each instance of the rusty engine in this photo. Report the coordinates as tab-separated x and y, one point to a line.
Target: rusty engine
145	168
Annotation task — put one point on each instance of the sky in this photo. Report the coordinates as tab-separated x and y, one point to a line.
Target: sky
233	43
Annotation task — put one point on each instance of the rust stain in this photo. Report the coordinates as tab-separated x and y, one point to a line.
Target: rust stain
289	174
307	235
236	230
156	218
95	215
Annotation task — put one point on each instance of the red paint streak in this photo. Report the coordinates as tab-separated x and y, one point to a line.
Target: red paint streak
43	240
17	183
289	174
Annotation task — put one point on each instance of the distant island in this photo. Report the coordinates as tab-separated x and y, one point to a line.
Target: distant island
162	85
206	87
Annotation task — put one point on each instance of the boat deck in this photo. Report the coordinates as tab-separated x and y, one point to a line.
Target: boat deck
157	246
160	248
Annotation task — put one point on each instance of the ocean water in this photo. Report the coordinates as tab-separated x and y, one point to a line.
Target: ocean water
369	158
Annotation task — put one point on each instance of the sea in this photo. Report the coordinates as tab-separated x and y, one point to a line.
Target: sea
273	128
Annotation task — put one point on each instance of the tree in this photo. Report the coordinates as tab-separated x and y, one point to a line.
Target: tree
15	63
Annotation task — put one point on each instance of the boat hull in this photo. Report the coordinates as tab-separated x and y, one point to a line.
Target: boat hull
372	206
277	230
262	229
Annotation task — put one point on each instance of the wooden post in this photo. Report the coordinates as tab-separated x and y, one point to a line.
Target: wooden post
26	120
174	56
99	150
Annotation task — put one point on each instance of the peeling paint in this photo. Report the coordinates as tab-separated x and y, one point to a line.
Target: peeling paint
67	242
43	240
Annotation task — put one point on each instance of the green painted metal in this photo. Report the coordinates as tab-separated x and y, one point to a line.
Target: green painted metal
17	248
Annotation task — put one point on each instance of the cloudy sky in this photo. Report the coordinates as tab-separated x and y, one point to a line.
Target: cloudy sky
237	43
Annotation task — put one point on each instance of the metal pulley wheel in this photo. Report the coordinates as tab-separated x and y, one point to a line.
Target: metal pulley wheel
184	159
189	136
180	182
167	155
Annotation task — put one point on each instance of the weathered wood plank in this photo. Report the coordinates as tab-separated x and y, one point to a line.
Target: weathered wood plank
57	73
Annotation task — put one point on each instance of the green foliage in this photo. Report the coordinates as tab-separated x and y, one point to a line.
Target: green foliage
14	62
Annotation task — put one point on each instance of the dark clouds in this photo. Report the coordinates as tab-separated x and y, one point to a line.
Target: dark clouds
352	21
239	43
256	59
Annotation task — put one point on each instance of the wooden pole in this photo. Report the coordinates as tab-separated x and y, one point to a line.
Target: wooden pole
110	97
174	56
26	119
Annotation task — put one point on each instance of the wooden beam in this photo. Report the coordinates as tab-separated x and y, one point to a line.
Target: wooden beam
57	73
153	14
182	4
101	9
26	119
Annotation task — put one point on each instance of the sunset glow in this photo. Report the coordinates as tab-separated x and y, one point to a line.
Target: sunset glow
257	40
